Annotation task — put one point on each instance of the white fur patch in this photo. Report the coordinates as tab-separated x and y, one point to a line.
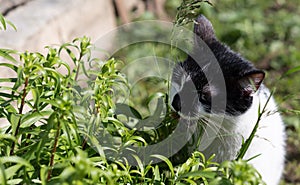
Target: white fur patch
269	142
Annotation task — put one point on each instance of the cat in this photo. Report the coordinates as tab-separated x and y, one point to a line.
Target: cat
194	88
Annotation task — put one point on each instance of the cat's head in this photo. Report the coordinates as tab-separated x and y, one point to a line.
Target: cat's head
193	88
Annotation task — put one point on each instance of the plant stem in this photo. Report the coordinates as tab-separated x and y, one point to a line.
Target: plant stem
53	151
78	67
20	113
247	143
84	143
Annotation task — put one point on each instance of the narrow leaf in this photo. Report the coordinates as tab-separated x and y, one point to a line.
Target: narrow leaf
199	174
290	71
8	79
12	25
167	161
15	159
6	95
3	22
140	165
11	66
11	171
31	118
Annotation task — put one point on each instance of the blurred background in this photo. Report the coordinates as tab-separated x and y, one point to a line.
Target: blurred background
265	32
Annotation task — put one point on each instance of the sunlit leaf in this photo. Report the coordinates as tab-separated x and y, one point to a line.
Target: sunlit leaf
3	22
11	171
8	79
11	66
167	161
7	137
12	25
31	118
200	173
15	181
14	121
15	159
6	95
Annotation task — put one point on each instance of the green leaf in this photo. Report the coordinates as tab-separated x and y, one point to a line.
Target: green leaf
3	22
20	77
69	171
8	79
51	102
7	137
31	118
5	53
156	174
3	174
290	71
8	107
6	95
198	174
11	66
15	159
36	98
167	161
12	25
140	166
190	181
134	139
43	174
247	143
11	171
69	51
15	181
14	120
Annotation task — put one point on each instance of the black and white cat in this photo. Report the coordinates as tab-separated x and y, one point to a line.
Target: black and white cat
193	92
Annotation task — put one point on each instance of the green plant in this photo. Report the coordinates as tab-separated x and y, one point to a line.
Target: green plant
44	144
4	23
188	11
54	123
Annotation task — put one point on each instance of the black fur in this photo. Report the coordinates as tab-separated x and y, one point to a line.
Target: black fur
242	79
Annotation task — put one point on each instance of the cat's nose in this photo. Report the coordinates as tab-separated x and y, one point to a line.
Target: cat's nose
176	103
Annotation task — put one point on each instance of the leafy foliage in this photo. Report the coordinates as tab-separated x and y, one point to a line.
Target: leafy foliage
43	142
4	23
51	118
188	11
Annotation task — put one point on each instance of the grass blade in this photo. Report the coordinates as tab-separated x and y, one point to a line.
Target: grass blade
247	143
290	71
167	161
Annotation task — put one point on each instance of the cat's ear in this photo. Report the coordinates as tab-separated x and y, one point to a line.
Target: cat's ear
204	29
251	82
